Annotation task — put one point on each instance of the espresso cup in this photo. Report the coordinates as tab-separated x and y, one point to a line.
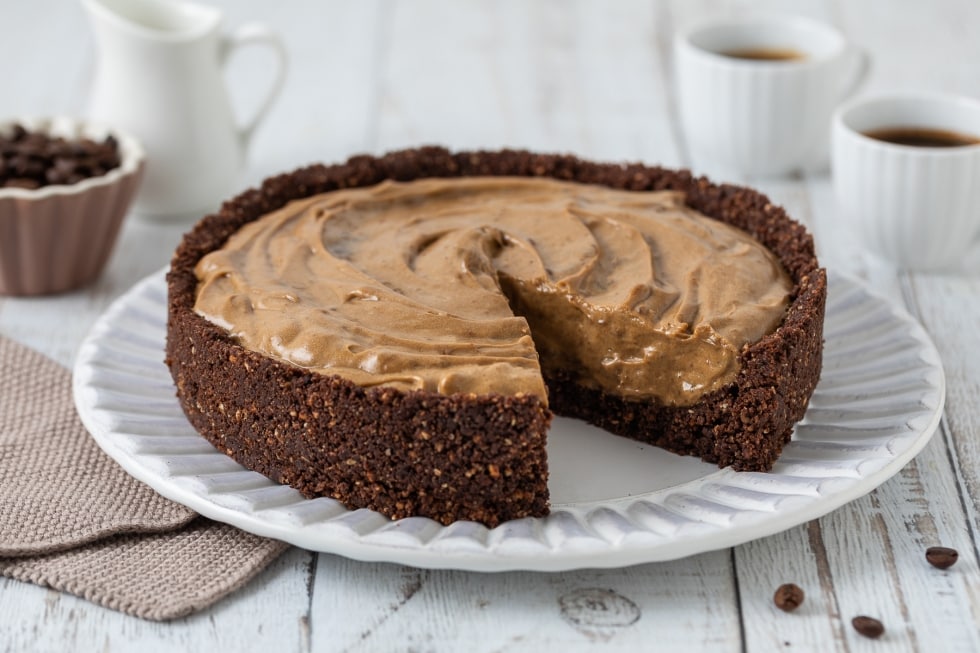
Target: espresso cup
906	173
756	95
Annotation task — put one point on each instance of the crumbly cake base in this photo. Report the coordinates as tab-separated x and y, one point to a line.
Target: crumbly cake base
469	457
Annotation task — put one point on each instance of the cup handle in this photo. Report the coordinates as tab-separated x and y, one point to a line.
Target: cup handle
257	34
860	67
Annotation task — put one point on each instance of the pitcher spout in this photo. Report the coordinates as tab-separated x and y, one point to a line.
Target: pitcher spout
154	19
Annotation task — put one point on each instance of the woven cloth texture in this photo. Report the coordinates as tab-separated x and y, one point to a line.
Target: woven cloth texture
159	576
73	520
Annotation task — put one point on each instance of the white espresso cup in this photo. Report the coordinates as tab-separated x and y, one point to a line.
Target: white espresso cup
917	205
756	95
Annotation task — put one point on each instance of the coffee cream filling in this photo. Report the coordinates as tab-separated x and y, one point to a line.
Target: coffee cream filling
472	285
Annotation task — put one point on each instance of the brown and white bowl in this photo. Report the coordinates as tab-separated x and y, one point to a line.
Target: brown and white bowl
58	238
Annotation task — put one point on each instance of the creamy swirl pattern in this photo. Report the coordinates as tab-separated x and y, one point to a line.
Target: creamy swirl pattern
440	285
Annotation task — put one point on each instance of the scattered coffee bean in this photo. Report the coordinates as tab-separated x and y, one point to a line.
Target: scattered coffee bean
34	159
788	597
868	626
942	557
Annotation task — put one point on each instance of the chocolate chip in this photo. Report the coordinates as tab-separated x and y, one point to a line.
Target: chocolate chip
788	597
942	557
868	626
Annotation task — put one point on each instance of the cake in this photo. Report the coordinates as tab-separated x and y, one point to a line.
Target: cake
396	332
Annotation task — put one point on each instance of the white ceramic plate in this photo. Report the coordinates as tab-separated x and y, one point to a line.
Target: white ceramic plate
615	502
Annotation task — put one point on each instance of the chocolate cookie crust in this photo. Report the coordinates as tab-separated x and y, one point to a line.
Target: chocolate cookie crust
481	458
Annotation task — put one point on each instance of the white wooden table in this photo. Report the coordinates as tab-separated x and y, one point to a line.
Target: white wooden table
592	78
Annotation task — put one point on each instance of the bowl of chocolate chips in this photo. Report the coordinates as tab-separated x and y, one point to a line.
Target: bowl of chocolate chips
65	187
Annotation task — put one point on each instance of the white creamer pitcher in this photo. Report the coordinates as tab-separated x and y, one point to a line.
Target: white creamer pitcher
160	77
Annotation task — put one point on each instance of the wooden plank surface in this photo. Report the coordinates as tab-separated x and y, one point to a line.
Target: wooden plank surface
592	78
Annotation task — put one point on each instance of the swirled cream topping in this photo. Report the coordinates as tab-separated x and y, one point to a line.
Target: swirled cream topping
471	285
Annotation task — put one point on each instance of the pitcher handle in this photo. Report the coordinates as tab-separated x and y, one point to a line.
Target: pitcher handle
257	34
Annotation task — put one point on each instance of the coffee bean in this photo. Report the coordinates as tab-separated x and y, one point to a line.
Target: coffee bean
33	141
65	165
54	176
21	182
788	597
29	167
19	165
34	159
941	556
868	626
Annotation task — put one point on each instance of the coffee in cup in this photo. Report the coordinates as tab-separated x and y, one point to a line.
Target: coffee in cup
922	137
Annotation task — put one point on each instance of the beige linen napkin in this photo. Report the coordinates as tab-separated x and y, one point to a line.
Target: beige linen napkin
73	520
